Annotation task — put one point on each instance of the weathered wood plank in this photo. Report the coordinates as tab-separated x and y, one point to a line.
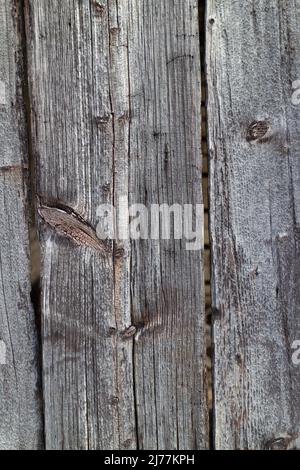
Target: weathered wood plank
20	400
253	59
165	168
116	112
80	100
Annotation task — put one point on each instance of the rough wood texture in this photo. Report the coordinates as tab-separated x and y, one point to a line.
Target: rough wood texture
79	83
252	59
20	410
115	94
165	167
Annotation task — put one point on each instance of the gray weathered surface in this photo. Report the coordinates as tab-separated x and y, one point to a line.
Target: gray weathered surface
79	87
165	167
20	401
115	94
253	58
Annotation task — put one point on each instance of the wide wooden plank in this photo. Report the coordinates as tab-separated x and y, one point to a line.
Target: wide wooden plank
80	106
252	62
167	281
20	397
115	95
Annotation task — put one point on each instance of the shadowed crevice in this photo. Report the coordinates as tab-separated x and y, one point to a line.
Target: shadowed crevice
29	174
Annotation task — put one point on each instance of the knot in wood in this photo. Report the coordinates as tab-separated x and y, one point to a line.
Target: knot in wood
257	130
281	443
99	9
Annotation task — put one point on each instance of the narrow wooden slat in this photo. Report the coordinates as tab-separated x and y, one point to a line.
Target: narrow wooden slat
253	60
80	107
20	398
165	167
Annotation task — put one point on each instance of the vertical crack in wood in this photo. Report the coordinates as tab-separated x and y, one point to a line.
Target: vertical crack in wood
120	116
113	195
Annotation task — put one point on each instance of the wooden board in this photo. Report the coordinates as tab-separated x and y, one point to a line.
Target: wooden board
252	61
20	397
115	95
167	282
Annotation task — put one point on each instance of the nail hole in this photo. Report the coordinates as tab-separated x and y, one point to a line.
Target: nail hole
114	401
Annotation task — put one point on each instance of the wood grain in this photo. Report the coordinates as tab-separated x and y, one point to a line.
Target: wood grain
167	282
20	394
115	96
252	60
